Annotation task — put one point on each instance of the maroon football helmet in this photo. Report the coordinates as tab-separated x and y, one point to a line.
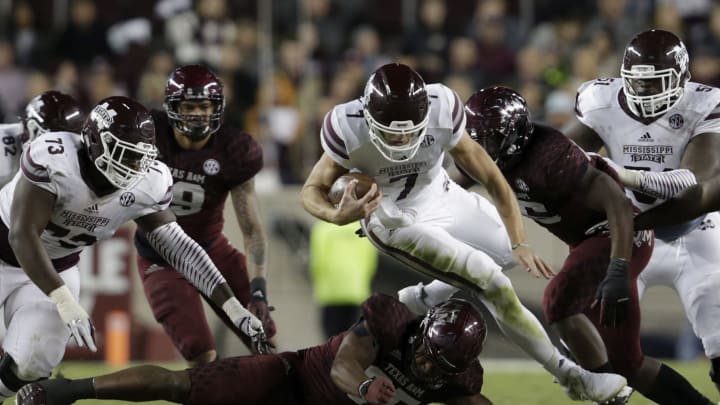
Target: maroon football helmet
195	83
51	111
450	337
120	138
654	72
499	120
396	107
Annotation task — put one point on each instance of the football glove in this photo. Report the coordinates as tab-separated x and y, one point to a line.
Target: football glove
75	317
242	318
613	294
259	306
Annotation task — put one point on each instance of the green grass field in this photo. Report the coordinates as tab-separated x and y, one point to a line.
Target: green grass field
506	382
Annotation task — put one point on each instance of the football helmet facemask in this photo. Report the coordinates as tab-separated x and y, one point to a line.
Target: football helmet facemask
120	138
194	83
655	69
449	339
397	109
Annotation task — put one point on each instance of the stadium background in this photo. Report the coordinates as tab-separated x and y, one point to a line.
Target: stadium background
286	62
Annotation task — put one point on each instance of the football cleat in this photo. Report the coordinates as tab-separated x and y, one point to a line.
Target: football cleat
31	394
582	385
37	393
621	399
414	298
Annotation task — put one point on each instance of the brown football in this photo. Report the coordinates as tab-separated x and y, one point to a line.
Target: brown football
361	188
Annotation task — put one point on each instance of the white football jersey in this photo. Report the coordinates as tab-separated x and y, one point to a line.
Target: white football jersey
345	137
647	144
11	135
80	218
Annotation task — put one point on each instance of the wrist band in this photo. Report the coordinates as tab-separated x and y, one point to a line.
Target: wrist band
364	387
258	288
517	245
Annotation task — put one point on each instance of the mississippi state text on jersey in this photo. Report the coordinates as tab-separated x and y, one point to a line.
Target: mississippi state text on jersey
79	217
655	144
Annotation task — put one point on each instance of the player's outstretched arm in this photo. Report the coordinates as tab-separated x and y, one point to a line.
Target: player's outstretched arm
691	203
184	254
247	211
474	160
31	209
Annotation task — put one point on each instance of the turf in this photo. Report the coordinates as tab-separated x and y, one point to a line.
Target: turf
506	382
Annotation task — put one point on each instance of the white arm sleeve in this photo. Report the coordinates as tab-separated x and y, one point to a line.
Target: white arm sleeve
666	184
183	253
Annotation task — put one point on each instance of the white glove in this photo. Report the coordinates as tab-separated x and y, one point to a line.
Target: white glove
391	216
75	317
248	323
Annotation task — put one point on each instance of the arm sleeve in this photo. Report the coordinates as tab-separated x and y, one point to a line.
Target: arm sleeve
666	184
184	254
710	124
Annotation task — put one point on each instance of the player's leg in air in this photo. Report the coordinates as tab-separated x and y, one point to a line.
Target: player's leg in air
433	251
255	379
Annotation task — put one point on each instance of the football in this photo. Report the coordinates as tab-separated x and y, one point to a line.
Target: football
361	188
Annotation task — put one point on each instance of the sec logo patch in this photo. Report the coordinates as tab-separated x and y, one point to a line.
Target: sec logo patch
127	199
211	167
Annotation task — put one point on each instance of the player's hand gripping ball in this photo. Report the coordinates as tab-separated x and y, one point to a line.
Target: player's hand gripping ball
361	188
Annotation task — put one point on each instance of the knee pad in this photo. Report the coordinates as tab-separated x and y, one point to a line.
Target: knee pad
8	377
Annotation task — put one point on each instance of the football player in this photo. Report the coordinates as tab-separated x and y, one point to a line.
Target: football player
398	133
71	192
49	111
208	160
654	119
390	356
565	192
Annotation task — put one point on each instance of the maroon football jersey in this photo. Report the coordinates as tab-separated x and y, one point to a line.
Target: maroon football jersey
545	183
391	323
202	178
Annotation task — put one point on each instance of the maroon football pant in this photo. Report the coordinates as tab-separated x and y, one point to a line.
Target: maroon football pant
177	305
572	291
249	380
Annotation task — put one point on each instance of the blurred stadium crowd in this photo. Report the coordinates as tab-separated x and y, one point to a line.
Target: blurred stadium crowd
284	63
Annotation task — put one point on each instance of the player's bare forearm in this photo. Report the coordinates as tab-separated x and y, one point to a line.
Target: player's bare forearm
689	204
35	261
603	194
247	211
32	208
314	191
355	354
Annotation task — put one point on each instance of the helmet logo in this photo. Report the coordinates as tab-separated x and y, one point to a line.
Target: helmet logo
446	317
681	55
103	116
